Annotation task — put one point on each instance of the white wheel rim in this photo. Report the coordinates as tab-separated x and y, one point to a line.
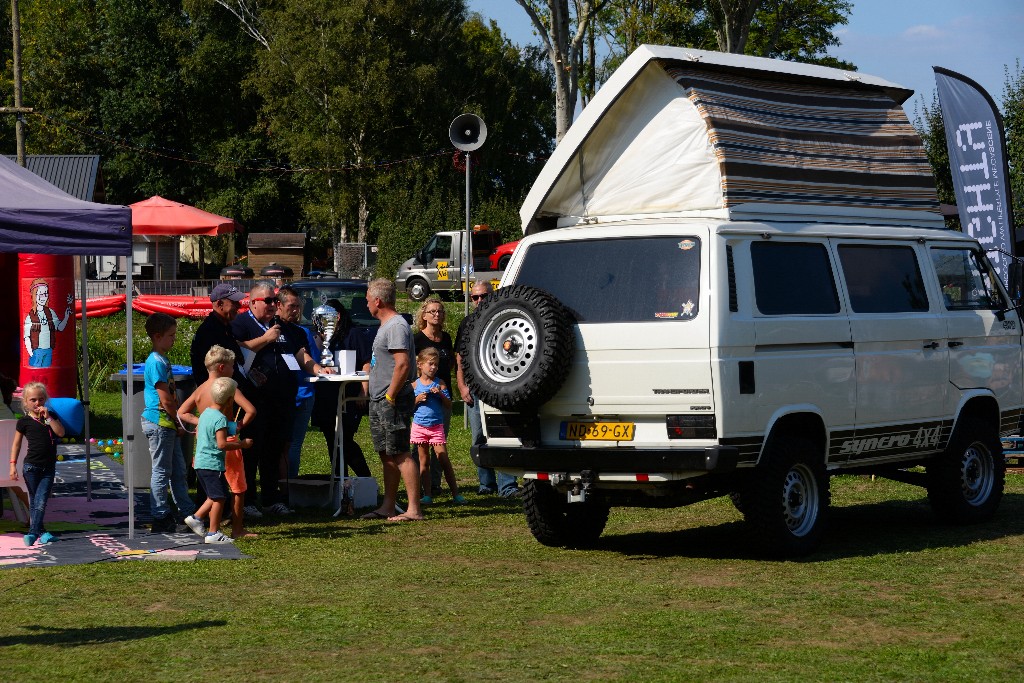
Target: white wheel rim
800	500
508	346
977	474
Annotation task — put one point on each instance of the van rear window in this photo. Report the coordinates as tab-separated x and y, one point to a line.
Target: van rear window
619	280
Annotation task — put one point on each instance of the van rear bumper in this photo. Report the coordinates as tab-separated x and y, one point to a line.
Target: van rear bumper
710	459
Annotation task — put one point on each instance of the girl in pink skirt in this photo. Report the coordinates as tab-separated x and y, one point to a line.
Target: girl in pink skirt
432	400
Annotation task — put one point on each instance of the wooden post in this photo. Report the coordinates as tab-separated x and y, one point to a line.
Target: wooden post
19	123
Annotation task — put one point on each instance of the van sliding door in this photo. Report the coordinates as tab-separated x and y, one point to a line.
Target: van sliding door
899	339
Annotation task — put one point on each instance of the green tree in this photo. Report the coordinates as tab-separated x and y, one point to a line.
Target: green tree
562	35
510	89
1013	122
929	125
345	86
795	30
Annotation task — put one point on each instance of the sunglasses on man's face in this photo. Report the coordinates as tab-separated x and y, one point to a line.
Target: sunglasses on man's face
270	300
477	297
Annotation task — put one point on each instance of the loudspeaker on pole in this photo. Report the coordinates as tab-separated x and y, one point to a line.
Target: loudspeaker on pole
468	132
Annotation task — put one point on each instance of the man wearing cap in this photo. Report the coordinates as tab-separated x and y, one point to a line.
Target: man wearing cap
216	329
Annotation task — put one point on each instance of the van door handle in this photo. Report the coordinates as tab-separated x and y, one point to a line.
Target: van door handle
954	344
933	345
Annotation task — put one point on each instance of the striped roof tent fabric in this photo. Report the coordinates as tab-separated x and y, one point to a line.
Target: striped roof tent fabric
782	141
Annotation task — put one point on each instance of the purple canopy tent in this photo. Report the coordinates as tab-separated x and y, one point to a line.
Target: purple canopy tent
38	218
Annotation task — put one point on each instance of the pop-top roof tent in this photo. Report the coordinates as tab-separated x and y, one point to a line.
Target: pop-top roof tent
683	132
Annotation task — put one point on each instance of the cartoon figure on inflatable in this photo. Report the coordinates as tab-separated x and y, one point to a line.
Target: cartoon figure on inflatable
42	324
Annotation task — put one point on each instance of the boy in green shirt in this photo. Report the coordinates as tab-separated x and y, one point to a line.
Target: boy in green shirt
212	439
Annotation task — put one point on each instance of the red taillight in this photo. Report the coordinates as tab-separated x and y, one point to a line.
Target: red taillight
690	426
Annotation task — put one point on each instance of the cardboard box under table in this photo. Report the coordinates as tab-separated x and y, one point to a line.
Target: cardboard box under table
336	490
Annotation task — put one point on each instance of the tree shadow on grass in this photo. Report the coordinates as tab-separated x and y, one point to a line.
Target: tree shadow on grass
74	637
860	530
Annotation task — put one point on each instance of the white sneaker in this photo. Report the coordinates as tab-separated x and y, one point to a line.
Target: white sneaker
217	537
252	512
195	525
280	509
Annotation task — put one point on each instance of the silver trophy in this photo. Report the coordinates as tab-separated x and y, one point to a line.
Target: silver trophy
325	321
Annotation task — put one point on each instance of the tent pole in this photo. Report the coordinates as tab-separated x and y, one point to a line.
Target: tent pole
85	377
128	414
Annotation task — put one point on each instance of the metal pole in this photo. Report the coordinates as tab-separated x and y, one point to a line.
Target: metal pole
19	122
128	458
85	377
466	250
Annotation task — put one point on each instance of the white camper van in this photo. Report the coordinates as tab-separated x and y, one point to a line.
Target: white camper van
735	281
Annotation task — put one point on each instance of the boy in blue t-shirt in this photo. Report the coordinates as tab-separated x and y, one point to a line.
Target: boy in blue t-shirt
163	435
214	435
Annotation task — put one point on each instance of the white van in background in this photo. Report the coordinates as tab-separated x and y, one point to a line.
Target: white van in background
655	344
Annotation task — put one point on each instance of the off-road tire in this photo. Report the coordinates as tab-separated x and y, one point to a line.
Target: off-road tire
557	523
517	348
965	483
738	499
417	289
788	498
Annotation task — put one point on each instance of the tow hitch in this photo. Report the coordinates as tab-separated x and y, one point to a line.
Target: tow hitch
581	486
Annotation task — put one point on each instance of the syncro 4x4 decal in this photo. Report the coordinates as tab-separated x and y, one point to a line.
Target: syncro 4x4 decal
927	437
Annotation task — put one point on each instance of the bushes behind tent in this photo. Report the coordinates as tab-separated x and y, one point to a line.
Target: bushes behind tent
107	346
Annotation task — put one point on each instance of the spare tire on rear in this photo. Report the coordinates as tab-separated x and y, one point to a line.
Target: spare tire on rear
517	348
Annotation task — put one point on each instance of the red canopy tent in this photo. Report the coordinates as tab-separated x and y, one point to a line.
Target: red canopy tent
159	216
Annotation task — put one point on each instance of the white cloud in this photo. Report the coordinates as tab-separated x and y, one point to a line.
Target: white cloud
924	32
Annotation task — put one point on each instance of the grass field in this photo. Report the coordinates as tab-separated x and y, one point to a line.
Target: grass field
671	595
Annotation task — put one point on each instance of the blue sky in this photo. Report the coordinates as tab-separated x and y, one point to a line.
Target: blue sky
899	40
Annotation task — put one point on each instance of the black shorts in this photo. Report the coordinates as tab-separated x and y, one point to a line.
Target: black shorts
213	483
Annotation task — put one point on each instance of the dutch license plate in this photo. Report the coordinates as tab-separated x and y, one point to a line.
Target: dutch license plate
598	431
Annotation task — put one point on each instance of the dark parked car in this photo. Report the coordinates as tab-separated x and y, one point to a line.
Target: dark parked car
351	294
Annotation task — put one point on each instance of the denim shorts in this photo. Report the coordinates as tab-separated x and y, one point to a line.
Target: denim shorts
390	424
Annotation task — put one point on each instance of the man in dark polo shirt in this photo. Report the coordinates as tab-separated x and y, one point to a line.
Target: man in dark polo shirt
216	330
272	352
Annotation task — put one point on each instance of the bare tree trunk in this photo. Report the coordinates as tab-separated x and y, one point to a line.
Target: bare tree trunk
363	218
339	239
563	48
732	22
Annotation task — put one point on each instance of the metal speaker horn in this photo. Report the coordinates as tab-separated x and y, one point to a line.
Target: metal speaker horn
468	132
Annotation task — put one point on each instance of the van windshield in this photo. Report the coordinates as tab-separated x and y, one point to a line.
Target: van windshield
619	280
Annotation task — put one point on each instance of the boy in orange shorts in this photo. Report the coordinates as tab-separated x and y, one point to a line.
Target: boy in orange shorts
220	362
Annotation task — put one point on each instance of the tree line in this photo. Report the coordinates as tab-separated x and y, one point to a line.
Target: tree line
331	117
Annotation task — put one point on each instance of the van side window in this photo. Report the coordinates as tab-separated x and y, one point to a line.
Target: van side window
619	280
967	279
882	279
793	278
